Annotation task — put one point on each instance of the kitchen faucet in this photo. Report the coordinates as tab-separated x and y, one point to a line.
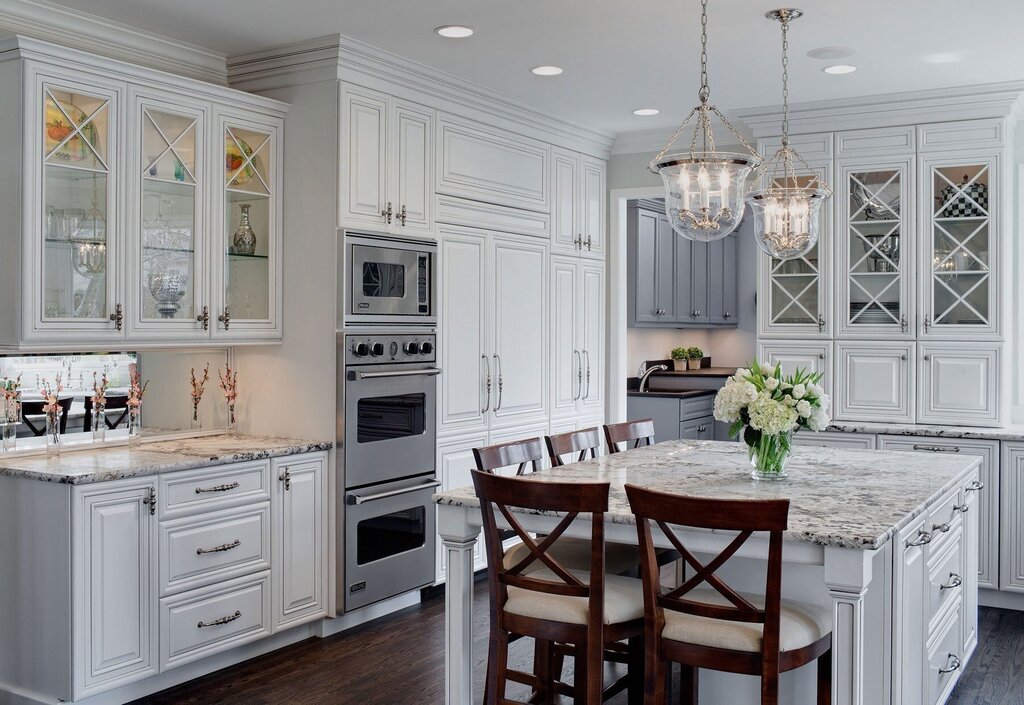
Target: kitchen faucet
648	372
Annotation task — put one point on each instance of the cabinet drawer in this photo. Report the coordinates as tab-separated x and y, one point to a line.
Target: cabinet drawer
945	577
944	660
200	550
944	521
696	407
208	489
835	439
196	624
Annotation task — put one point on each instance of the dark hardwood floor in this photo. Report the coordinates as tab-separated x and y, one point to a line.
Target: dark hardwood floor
399	660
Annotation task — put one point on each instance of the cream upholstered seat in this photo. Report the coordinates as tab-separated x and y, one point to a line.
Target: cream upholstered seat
574	553
801	625
623	600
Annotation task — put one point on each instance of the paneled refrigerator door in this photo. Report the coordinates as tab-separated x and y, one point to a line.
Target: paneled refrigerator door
875	248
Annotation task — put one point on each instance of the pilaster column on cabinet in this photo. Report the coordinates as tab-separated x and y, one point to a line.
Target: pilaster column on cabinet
848	575
459	537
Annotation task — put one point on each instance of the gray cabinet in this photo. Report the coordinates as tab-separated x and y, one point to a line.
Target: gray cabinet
676	418
674	282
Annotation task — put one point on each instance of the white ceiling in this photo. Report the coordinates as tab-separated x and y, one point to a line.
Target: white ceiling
621	55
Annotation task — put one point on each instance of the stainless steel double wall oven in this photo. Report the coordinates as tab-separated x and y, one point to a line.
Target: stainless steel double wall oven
387	399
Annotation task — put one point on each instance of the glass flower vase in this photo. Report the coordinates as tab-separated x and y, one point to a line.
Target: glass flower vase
99	424
134	425
10	418
232	424
53	432
196	423
769	455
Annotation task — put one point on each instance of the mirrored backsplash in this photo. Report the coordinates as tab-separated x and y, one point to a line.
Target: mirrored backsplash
167	406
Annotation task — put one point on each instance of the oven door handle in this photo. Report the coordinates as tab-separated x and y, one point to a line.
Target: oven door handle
363	499
429	372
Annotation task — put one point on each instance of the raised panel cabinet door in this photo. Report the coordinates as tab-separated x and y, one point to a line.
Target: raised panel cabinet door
593	207
1011	517
467	389
364	158
722	281
567	364
565	206
910	628
793	356
454	467
115	575
875	381
412	175
974	544
697	282
984	501
702	429
520	353
299	544
959	384
592	337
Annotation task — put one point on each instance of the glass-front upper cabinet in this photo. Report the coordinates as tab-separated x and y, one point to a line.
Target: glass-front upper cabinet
77	234
251	229
874	248
959	272
167	240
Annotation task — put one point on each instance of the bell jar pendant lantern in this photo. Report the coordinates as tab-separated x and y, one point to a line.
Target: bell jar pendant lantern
787	213
704	188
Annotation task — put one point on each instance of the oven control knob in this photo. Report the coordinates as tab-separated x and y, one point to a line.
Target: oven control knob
360	349
411	348
427	348
377	349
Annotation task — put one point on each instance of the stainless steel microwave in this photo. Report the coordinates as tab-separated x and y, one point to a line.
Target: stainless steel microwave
389	281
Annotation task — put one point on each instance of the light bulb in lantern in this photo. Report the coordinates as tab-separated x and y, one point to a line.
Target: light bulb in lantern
704	192
787	221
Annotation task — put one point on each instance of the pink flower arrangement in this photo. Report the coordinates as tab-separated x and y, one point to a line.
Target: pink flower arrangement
198	385
135	388
99	390
229	385
50	392
10	387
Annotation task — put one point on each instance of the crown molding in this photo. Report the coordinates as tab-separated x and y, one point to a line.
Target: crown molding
61	25
991	100
337	57
651	141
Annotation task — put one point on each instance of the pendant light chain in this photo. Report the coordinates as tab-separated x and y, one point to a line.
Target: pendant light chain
705	90
785	79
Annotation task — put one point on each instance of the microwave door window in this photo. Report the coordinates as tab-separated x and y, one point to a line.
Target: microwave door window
391	417
383	280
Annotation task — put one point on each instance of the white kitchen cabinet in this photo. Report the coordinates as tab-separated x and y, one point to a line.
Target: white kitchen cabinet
1011	517
579	204
592	337
910	632
835	439
958	384
115	579
387	149
134	186
494	317
300	545
811	357
875	381
577	335
482	163
983	502
593	206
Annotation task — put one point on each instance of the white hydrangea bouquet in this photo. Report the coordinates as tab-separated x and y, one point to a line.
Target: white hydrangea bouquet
767	408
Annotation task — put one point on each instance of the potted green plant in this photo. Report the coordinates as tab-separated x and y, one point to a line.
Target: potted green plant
679	358
694	357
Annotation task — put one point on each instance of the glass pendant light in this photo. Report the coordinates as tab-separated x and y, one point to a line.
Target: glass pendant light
787	213
704	188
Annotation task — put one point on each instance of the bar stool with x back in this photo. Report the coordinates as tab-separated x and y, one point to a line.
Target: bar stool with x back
639	433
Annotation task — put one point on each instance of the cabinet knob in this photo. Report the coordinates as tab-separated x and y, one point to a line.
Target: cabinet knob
578	241
821	356
225	318
286	478
204	318
926	357
821	323
726	315
150	499
118	316
401	216
904	357
588	244
386	213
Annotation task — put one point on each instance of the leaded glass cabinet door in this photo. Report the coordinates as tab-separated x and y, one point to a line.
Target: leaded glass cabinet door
170	296
77	227
875	248
794	298
960	286
250	228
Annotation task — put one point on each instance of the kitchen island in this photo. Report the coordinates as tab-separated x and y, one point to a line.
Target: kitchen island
887	539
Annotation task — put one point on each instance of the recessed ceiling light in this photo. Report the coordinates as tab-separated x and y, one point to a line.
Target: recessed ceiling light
838	69
644	112
454	31
547	70
831	53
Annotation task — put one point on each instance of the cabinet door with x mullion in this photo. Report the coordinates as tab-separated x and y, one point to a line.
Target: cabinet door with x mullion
874	247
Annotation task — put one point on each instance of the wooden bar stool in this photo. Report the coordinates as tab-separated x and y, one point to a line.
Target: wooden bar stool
717	627
584	608
582	444
636	432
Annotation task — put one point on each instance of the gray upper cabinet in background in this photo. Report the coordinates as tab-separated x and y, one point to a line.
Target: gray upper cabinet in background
674	282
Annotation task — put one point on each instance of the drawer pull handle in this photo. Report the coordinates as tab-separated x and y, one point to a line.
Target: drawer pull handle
962	508
955	581
923	538
219	549
976	486
938	449
944	528
218	488
953	664
223	620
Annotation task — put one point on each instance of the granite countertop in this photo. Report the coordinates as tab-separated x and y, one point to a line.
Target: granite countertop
1005	433
838	497
79	467
673	394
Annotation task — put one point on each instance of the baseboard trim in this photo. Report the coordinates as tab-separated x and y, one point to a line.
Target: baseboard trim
1001	600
